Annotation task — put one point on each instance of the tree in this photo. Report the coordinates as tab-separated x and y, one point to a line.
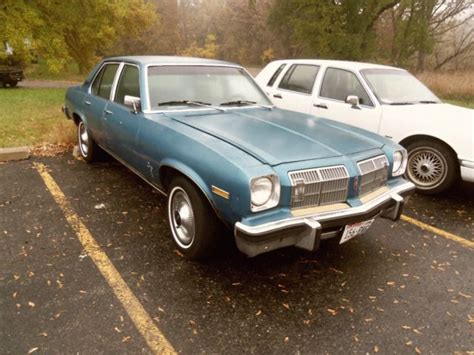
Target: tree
338	29
81	30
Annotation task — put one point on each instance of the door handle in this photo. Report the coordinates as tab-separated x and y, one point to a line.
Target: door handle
277	96
107	112
87	103
324	106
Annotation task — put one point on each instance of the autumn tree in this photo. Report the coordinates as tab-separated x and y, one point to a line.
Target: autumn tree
82	30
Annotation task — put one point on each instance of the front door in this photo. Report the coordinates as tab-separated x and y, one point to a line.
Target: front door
330	102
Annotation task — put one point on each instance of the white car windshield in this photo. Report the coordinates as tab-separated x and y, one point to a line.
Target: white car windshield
398	87
173	86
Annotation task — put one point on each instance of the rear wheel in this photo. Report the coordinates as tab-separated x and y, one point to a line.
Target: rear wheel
194	225
432	166
90	151
13	83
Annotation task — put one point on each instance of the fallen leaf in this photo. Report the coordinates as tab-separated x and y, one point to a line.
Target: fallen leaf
286	339
406	327
332	311
258	313
417	350
376	349
32	350
44	334
99	206
391	283
464	295
408	343
31	304
125	339
417	331
177	252
286	305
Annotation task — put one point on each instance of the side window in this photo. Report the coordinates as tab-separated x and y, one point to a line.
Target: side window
96	83
128	84
300	77
276	74
338	84
106	81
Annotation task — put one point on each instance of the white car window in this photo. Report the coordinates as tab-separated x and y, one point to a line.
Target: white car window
300	78
338	84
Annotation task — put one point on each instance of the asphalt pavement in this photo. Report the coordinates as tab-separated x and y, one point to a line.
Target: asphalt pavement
397	289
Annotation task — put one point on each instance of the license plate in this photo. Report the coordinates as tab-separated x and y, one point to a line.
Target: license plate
352	230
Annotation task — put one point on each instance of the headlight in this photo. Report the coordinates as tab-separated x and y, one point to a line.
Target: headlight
264	192
399	162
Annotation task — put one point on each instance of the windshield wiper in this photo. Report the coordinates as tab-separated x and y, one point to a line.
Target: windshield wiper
243	102
428	102
189	102
181	102
400	103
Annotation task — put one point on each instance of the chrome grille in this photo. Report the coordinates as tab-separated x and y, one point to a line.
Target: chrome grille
317	187
374	172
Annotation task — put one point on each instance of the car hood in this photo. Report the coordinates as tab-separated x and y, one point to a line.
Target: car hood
278	136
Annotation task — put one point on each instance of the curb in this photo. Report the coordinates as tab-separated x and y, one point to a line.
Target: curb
13	154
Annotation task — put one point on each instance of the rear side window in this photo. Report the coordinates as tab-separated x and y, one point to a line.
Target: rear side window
96	83
128	84
339	83
300	78
276	74
106	80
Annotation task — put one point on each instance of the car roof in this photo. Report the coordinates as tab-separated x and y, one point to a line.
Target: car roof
168	60
338	63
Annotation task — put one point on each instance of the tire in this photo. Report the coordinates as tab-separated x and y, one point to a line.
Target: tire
88	148
432	166
194	226
13	83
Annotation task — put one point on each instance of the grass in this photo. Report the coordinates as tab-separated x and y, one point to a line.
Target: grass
33	117
455	85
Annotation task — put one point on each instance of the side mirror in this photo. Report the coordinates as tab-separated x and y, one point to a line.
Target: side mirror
133	102
353	100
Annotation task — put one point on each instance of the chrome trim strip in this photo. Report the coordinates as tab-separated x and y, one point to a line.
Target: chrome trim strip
325	216
133	170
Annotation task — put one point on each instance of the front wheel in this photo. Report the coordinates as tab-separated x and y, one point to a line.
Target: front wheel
432	167
194	225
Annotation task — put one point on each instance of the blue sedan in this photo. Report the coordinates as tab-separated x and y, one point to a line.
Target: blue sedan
204	134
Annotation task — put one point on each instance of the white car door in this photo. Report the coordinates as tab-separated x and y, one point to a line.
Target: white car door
330	100
293	89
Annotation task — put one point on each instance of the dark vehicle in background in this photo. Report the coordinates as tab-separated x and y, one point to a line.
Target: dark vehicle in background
11	71
10	75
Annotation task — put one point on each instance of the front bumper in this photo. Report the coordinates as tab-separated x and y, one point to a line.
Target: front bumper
307	231
467	170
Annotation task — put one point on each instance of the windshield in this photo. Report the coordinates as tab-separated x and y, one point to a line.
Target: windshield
393	86
174	86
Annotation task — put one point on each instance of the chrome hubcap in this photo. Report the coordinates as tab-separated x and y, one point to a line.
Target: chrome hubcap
426	167
83	139
181	217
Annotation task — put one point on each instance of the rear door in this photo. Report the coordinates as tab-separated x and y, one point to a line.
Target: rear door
330	102
96	99
293	90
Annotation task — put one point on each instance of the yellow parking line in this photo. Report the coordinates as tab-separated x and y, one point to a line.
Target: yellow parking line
142	320
464	242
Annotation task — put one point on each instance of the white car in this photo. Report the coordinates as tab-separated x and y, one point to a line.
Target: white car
386	100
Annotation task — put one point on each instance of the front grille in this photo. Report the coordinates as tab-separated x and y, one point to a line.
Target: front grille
317	187
374	172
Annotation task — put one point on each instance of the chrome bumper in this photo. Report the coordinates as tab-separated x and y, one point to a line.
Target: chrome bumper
306	232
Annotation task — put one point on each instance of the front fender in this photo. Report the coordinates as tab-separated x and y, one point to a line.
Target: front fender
191	175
